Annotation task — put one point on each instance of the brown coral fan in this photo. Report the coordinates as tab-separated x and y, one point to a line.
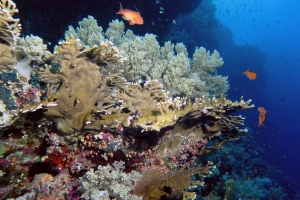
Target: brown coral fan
79	89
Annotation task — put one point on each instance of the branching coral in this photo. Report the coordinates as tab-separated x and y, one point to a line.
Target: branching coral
169	64
115	31
32	47
88	32
147	60
205	66
109	181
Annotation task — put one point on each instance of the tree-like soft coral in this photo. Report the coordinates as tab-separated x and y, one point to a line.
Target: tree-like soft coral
109	181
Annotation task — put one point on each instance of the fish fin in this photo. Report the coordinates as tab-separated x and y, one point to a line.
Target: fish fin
245	71
136	8
121	9
261	125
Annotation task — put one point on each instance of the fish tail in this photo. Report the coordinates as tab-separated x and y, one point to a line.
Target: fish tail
245	71
121	11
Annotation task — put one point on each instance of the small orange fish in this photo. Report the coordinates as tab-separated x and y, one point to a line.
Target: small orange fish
251	75
133	17
262	115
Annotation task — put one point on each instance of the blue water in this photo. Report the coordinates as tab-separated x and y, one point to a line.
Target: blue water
274	27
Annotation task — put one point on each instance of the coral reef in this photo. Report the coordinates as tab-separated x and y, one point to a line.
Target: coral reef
122	120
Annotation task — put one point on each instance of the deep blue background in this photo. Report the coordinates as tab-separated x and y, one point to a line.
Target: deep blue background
274	27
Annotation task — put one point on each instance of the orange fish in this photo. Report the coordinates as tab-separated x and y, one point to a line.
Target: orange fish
262	110
133	17
262	115
251	75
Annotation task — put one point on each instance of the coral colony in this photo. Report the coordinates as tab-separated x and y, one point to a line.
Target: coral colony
109	115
